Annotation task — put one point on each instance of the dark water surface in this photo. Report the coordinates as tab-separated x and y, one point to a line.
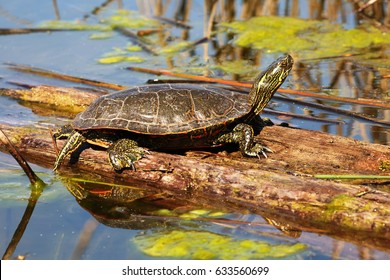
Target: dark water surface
70	221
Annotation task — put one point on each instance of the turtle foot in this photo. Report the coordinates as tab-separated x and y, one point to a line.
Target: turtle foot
258	150
244	136
123	153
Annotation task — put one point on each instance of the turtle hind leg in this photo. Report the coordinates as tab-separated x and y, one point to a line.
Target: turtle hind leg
74	141
243	135
123	153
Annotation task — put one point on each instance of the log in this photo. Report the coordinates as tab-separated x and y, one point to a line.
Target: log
271	183
61	101
296	151
281	185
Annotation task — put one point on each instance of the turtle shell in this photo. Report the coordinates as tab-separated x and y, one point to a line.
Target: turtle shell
165	109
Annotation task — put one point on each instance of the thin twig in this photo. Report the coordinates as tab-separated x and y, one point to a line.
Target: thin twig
173	22
366	5
17	31
37	187
136	39
55	75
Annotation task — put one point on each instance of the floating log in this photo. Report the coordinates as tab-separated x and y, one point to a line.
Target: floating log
282	184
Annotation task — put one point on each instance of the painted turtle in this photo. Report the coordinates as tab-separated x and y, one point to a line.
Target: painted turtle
174	116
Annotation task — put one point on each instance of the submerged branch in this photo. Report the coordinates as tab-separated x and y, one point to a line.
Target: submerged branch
175	23
64	77
37	187
18	31
136	39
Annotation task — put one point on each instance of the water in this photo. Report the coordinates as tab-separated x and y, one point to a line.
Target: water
112	225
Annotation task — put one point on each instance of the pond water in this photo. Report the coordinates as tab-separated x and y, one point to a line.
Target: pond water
70	220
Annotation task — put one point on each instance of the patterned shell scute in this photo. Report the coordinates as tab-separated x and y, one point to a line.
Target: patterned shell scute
164	109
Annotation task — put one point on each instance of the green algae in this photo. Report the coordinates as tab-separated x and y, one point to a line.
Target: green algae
133	48
274	34
118	55
308	38
101	35
305	39
192	214
339	206
206	245
129	19
384	165
176	48
121	19
239	67
120	58
73	25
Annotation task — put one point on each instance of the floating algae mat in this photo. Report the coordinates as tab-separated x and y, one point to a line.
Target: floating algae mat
309	38
185	244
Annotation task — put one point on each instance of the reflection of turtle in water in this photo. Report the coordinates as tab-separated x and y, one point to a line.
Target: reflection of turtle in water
137	207
117	206
174	116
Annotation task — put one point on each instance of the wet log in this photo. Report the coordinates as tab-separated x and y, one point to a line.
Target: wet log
60	101
271	184
296	151
282	184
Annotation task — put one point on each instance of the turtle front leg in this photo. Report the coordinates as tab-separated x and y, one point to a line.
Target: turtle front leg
243	135
123	153
74	141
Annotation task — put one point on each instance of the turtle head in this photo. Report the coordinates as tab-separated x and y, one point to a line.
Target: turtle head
269	81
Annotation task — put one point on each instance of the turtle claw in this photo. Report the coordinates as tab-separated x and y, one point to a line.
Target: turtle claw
258	150
267	149
264	150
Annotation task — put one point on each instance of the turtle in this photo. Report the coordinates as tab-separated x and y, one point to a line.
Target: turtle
182	116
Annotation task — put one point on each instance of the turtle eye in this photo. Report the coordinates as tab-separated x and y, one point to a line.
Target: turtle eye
286	62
